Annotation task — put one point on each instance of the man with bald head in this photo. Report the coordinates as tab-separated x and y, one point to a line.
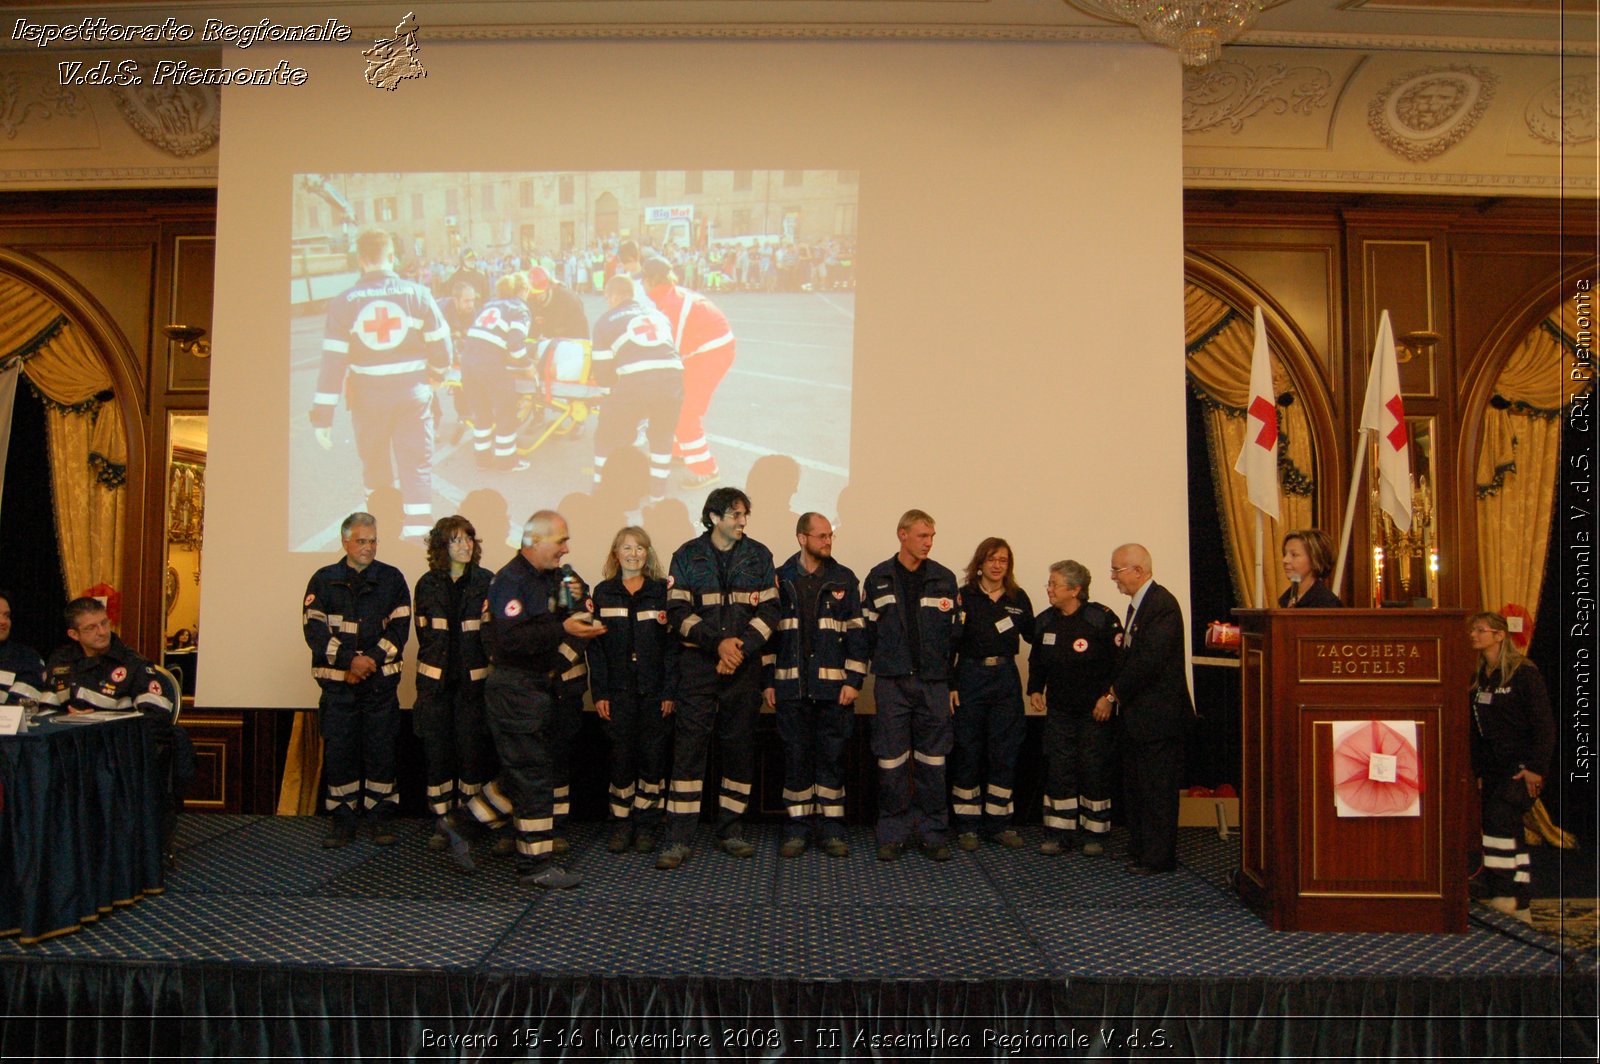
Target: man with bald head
1151	697
532	613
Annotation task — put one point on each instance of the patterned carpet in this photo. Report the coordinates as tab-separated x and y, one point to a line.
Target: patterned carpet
261	891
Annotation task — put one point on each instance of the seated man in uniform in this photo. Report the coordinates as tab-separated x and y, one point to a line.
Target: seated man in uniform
98	671
21	670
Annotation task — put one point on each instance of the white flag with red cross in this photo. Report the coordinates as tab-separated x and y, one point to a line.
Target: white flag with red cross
1258	458
1384	414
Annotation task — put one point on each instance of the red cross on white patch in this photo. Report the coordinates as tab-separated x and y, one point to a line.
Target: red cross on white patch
514	608
119	674
944	605
1080	645
381	325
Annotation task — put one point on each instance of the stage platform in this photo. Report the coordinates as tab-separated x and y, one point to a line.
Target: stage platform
266	945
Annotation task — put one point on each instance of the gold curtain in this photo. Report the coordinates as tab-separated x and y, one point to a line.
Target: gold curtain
88	442
1220	342
1519	460
302	770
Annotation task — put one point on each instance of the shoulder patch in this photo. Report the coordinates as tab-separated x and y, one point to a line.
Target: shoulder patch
514	608
155	687
311	598
838	594
119	674
671	580
944	605
1117	639
1080	644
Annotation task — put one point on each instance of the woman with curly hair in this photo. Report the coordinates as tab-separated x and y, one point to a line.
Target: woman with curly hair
450	605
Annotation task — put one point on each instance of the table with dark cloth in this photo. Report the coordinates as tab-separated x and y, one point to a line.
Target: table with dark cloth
79	833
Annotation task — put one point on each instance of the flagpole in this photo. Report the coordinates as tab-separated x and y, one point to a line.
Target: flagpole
1350	510
1261	563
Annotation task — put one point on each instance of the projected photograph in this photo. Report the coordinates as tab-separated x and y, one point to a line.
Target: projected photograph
612	343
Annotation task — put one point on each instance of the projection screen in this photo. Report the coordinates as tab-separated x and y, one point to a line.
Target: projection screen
973	303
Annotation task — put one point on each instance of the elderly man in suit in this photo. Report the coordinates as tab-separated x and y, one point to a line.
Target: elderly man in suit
1151	696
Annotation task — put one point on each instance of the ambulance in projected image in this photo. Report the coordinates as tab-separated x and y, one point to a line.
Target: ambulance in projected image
768	256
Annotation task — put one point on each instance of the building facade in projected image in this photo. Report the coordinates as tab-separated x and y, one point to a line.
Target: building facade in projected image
762	308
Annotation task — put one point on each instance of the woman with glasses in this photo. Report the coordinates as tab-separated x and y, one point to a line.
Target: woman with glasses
1513	735
450	604
1307	562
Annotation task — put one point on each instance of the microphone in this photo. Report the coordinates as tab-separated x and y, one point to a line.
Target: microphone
572	591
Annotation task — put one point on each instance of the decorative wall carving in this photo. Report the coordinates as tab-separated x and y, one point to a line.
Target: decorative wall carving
1422	113
181	120
20	102
1563	112
1226	93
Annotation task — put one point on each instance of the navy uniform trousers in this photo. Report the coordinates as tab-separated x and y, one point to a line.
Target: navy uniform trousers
911	737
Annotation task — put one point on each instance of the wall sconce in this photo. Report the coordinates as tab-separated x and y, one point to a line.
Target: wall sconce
190	339
1412	344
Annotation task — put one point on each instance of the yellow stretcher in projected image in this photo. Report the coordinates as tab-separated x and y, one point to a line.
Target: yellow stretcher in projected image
555	398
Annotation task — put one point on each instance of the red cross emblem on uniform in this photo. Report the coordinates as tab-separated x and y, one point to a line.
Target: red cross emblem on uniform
643	329
489	318
1117	639
944	605
755	598
155	687
119	674
1080	645
514	608
661	616
381	325
310	599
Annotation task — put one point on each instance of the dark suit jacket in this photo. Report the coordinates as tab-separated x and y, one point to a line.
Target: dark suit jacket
1152	684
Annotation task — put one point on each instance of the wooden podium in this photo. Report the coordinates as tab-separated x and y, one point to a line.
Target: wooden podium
1305	867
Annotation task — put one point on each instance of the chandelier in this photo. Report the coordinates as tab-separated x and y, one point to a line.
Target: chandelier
1196	29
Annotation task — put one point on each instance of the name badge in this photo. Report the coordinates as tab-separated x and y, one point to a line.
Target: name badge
1049	639
1003	624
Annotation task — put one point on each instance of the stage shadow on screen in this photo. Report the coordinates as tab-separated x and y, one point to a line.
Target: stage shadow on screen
490	515
774	480
670	526
409	556
594	518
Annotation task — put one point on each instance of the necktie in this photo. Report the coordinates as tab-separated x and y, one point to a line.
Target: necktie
1127	625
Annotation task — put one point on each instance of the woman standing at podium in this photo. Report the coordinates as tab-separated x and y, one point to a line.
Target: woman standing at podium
1307	561
1513	736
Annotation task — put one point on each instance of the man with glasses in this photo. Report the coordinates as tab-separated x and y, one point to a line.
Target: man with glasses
813	671
357	618
723	604
1151	695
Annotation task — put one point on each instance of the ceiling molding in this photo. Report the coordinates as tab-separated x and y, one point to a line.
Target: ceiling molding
1232	177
